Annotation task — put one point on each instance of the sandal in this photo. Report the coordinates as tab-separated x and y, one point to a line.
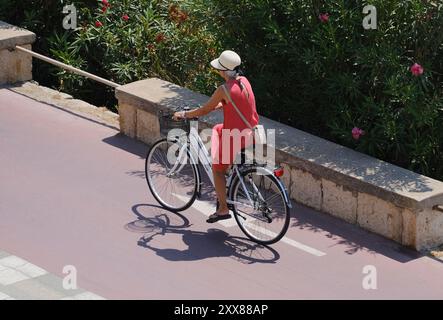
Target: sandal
216	217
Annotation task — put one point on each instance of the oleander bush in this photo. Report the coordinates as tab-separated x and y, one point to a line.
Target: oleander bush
315	67
44	18
122	41
130	40
311	63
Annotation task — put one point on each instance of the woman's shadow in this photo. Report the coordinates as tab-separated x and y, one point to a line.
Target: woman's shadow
200	245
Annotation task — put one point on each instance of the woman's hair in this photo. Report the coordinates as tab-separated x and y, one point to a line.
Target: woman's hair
232	74
239	71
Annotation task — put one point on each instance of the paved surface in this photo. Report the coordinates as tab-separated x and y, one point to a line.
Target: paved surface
22	280
72	192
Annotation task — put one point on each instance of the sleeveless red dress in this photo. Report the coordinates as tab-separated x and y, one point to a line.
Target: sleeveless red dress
229	137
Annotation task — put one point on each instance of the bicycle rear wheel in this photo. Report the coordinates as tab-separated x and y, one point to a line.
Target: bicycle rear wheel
264	215
174	188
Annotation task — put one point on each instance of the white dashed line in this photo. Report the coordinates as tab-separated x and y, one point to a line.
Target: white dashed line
291	242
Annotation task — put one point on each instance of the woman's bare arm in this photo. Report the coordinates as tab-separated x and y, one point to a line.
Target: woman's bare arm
212	104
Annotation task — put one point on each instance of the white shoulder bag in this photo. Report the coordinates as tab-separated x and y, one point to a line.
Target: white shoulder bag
259	130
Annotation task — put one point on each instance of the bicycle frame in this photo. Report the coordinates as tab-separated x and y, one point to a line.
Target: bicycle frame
198	152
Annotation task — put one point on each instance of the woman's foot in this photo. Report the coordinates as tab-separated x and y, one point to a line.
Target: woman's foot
220	214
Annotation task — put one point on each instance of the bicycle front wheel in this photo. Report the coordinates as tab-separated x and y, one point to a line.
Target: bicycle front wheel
174	185
259	206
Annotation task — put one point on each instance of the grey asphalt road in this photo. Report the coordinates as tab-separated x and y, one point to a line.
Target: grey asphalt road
72	192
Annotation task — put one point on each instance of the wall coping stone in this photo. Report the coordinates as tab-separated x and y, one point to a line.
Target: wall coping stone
11	36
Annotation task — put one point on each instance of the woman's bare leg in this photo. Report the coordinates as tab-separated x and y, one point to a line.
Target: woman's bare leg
220	190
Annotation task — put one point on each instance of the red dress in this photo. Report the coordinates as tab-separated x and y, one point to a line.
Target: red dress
229	137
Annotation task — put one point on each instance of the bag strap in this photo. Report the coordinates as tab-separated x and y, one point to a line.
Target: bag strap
236	109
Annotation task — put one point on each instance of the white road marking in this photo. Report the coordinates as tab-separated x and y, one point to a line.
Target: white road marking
207	209
289	241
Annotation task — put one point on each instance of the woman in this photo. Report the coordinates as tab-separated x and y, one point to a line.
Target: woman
223	148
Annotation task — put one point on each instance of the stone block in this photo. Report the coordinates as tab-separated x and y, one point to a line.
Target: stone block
15	66
306	189
379	216
127	119
148	127
339	202
429	229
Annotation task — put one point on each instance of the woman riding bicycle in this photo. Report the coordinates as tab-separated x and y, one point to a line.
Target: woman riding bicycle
224	143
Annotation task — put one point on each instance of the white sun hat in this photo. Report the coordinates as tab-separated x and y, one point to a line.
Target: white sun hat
228	60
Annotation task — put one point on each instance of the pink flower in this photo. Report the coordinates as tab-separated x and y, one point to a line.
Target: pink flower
105	3
324	17
160	38
104	9
357	132
98	24
417	70
125	17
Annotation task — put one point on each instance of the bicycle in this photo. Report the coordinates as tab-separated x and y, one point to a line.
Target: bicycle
254	192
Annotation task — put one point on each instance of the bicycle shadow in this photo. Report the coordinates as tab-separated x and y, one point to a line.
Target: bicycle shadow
214	243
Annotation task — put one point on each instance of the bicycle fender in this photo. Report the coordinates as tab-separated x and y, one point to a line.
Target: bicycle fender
266	171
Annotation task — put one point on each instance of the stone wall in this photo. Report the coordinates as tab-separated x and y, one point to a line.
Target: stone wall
15	66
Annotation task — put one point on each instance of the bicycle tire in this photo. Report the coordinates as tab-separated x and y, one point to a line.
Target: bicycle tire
287	215
152	188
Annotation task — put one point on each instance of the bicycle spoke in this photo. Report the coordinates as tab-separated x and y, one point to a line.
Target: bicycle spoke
267	218
172	189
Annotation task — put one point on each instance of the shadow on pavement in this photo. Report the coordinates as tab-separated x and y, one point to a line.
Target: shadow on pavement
348	237
201	245
125	143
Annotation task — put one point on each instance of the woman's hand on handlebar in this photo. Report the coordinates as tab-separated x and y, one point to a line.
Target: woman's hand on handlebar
179	115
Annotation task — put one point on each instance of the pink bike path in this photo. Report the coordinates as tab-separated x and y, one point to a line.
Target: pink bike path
72	192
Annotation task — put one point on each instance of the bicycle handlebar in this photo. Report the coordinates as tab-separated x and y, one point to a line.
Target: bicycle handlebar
170	113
